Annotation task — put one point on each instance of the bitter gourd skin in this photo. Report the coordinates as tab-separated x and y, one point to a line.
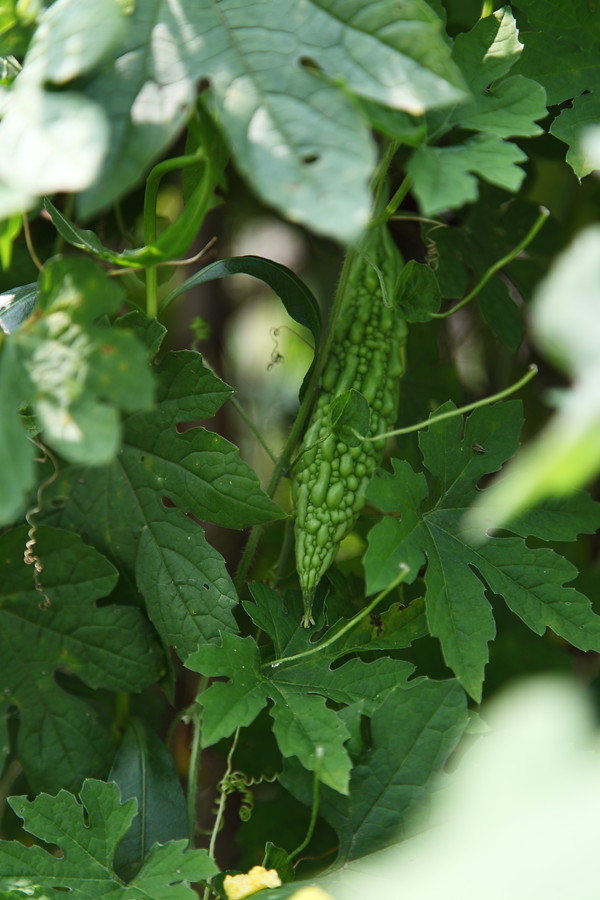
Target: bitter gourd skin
330	477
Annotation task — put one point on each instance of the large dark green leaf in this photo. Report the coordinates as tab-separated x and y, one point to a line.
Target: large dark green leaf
413	732
126	509
144	769
61	737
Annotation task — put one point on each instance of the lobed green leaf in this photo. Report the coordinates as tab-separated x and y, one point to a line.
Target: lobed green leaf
531	581
298	689
88	848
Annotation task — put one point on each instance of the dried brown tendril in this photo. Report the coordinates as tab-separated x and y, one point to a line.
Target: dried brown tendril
31	558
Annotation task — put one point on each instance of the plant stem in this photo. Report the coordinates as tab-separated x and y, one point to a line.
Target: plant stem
60	241
194	765
380	174
544	213
300	421
29	243
404	570
531	373
150	198
222	802
315	804
238	407
394	203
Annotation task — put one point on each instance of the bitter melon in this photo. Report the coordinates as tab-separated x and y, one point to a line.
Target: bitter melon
366	354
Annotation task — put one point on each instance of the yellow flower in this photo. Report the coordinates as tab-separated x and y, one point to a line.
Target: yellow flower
239	886
311	893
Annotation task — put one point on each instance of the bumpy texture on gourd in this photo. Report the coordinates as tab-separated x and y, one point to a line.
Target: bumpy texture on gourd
366	354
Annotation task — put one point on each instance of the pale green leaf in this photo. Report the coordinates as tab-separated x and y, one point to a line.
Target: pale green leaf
78	373
51	141
56	141
566	324
16	305
14	202
444	177
72	38
571	126
305	149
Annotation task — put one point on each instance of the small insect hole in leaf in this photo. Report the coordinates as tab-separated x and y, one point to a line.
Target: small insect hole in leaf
308	63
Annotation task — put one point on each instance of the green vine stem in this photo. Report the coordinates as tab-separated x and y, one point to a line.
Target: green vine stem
274	664
378	180
222	802
393	204
544	213
250	424
194	765
29	244
531	373
300	421
150	198
315	804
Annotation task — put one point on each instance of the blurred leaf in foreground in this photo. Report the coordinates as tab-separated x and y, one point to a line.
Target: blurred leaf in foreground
565	321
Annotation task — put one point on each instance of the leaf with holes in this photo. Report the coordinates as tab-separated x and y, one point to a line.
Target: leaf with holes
307	150
73	371
531	581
